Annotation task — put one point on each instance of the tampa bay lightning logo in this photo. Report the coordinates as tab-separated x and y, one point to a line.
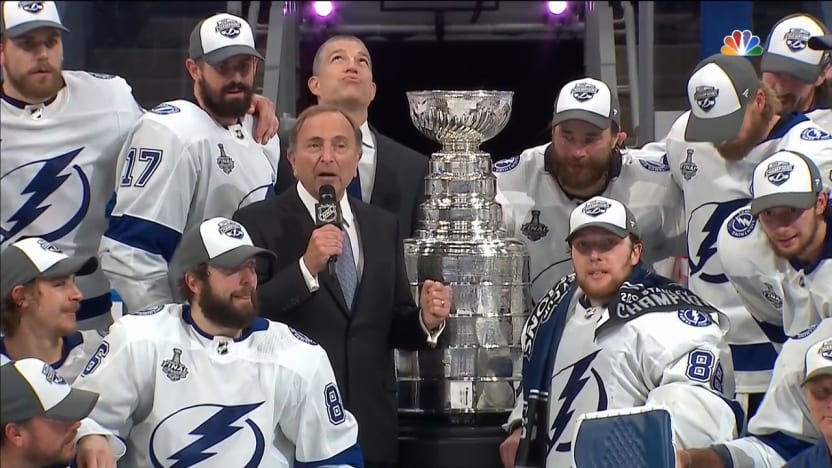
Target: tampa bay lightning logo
51	205
695	318
815	134
575	394
661	165
231	229
584	91
224	434
826	350
703	228
165	109
797	39
778	172
705	97
228	27
505	165
31	7
596	208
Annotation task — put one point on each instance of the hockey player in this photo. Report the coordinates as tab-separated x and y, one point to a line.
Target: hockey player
777	253
796	72
733	124
817	385
211	380
60	135
188	161
613	336
539	188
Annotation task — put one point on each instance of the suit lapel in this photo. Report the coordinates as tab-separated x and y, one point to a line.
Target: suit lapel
385	187
368	235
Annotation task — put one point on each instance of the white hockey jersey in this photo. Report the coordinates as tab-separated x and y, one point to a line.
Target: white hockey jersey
713	189
783	425
179	396
58	166
536	210
778	293
77	349
179	167
821	116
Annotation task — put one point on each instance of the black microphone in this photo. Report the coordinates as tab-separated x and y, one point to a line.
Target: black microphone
327	211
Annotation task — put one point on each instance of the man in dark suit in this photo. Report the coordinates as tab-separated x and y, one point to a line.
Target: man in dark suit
366	308
391	175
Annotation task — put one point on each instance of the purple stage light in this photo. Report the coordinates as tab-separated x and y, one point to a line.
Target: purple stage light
323	8
557	8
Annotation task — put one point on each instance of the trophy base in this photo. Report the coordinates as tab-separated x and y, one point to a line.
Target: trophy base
427	441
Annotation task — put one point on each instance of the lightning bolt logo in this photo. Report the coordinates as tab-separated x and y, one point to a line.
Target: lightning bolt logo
46	181
707	248
574	385
217	428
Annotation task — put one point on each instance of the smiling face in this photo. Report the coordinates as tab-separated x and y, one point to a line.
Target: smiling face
49	304
602	261
791	231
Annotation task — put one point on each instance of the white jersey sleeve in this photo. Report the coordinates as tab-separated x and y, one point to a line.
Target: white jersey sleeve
810	139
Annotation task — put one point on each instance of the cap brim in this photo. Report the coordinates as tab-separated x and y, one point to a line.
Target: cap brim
79	266
21	29
75	407
821	371
217	56
803	71
714	130
802	200
821	42
579	114
606	226
236	257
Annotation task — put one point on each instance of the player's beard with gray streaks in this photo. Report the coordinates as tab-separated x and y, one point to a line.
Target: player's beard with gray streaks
219	104
222	312
40	83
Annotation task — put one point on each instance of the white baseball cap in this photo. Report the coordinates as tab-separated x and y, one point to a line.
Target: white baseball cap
786	178
21	17
821	42
30	387
818	361
33	258
222	36
218	242
604	213
589	100
787	49
719	90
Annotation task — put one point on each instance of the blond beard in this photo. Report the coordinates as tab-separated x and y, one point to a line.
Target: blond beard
738	148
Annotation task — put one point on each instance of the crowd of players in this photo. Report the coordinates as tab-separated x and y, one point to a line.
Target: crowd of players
164	207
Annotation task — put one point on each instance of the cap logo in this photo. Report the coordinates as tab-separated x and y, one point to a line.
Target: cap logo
705	97
52	375
48	247
826	350
31	7
584	91
596	208
231	229
797	39
228	27
778	172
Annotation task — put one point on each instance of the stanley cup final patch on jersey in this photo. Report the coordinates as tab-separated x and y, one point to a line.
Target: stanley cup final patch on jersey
772	297
224	161
688	167
534	230
173	367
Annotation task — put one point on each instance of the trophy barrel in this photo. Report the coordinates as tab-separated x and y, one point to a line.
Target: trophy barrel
454	398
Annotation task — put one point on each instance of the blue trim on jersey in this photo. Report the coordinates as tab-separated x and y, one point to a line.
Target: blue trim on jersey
739	413
825	253
260	324
94	307
775	333
785	124
70	342
22	104
753	357
144	235
786	446
350	457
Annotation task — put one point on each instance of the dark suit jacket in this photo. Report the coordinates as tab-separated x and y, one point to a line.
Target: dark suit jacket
399	183
359	342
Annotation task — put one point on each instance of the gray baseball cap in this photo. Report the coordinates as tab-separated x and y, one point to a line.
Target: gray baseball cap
34	258
222	36
821	42
589	100
30	387
20	18
719	91
604	213
787	49
786	178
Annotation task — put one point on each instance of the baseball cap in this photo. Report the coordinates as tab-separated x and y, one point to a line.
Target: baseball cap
21	17
821	42
219	242
718	92
33	258
31	387
787	48
604	213
589	100
818	361
786	178
222	36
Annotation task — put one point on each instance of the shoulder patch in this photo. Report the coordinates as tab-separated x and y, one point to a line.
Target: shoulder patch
101	76
695	318
301	337
815	134
805	332
165	109
742	224
655	166
505	165
148	311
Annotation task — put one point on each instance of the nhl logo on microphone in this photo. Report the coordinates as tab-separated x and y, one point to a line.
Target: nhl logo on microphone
326	213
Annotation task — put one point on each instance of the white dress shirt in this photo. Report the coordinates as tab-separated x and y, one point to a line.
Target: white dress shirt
367	164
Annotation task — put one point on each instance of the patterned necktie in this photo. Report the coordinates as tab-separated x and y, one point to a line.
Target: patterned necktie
346	271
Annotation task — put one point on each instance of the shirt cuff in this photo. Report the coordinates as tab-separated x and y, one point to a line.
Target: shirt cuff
433	338
90	427
311	281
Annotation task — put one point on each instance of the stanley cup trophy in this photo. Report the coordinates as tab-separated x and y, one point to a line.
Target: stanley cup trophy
453	399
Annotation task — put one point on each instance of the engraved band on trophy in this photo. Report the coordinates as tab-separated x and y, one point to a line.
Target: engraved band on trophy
460	241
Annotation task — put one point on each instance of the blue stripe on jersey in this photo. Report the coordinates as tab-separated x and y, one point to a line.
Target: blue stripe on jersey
753	357
739	413
94	307
786	446
785	124
773	332
70	342
144	235
349	457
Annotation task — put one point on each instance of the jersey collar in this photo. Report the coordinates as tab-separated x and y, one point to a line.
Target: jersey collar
70	342
259	324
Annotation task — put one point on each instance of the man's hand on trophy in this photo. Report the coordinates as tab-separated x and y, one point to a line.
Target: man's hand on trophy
508	449
326	242
265	111
435	301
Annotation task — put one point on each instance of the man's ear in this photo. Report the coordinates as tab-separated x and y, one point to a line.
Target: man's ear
193	68
620	138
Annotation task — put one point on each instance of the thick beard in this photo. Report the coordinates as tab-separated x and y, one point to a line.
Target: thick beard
738	148
594	171
222	312
33	92
219	106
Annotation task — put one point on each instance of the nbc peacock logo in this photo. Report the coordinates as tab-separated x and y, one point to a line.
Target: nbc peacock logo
742	43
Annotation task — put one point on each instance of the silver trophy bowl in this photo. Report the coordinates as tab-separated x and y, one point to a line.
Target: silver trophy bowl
448	117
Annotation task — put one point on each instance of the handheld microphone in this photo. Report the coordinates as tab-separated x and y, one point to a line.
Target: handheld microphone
327	211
